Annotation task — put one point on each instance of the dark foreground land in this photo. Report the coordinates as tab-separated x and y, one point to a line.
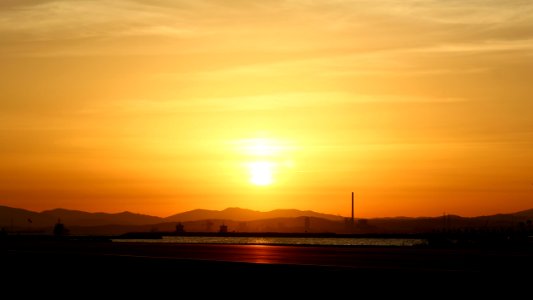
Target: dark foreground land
95	263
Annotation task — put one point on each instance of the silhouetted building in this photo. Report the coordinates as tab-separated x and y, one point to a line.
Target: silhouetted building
180	228
60	229
223	229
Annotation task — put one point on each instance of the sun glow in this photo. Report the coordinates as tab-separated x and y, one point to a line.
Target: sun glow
261	172
265	158
261	147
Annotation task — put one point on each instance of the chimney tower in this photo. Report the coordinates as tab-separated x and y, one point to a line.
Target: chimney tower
352	211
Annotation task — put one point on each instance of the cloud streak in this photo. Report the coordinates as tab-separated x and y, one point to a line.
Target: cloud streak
365	21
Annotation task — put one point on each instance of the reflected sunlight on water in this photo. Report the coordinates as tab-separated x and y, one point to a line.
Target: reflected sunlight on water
281	241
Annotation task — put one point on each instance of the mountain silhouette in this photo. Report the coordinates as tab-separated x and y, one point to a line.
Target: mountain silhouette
242	220
19	217
81	218
525	213
240	214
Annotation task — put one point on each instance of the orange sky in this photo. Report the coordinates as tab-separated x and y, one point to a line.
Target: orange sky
157	107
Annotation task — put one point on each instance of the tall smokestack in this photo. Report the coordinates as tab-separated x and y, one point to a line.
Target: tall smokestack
352	210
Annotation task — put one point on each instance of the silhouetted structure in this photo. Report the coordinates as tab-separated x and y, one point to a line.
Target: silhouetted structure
208	226
307	224
349	223
180	228
447	222
352	209
60	229
223	228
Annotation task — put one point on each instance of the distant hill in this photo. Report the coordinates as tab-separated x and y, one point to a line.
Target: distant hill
81	218
243	220
26	219
240	214
17	217
525	213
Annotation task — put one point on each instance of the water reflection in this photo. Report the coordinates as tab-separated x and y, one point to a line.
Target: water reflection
282	241
261	254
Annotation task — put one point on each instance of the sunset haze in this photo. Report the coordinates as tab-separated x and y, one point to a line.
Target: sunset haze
158	107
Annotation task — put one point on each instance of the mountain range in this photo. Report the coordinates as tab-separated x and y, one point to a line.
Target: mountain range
242	220
81	218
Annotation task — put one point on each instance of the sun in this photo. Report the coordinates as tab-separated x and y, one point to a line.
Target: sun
265	159
261	172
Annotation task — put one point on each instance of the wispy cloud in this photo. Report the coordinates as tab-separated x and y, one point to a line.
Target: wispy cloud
323	42
217	24
272	102
486	46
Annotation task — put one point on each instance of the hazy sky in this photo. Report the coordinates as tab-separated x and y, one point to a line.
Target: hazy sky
420	107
